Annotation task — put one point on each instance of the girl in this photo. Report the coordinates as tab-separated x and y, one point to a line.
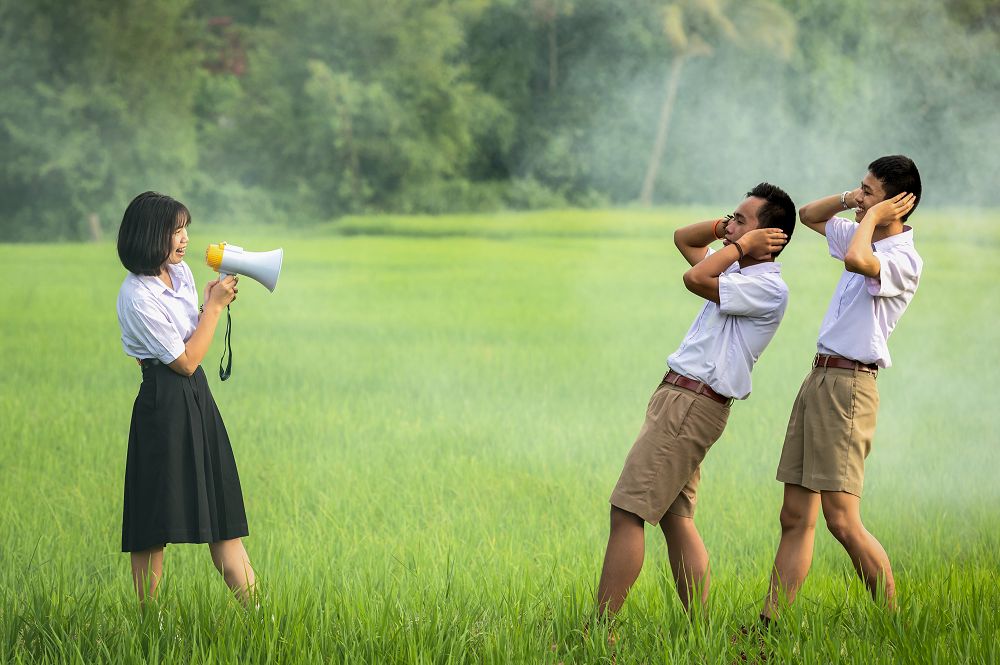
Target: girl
181	484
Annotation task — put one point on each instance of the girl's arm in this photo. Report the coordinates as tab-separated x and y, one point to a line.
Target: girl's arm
219	296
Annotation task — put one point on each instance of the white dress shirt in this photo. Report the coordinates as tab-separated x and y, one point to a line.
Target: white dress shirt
864	310
727	338
156	320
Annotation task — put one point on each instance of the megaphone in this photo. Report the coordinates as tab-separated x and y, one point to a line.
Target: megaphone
229	259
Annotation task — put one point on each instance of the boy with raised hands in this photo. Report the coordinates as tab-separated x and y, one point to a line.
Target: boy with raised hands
832	422
745	299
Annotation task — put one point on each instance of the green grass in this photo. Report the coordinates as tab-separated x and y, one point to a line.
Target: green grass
429	415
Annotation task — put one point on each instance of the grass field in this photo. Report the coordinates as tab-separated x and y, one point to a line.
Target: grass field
429	415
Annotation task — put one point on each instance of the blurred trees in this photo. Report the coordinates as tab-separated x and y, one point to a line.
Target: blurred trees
693	28
97	105
307	110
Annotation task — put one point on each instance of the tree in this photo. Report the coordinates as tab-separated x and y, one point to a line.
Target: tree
548	12
368	108
693	28
97	107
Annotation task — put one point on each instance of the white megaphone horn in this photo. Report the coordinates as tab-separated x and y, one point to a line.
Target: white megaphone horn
229	259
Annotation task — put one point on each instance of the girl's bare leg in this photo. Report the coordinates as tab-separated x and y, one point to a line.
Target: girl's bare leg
147	569
231	559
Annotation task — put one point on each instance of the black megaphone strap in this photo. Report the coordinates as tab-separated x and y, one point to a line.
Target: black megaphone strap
224	373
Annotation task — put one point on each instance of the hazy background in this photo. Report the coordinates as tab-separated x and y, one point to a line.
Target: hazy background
308	110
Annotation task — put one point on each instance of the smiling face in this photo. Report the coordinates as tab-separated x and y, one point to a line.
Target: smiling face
179	240
744	219
872	191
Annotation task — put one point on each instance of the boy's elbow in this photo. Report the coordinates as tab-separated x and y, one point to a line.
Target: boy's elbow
804	215
690	280
861	265
852	261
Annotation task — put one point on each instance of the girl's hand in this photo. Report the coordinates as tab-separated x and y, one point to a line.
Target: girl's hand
222	291
207	290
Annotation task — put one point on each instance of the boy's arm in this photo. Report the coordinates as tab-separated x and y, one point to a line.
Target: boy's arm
859	257
703	278
816	214
692	240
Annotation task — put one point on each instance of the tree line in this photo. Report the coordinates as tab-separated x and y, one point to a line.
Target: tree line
309	110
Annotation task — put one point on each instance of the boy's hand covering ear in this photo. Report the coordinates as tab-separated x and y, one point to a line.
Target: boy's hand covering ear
760	244
890	210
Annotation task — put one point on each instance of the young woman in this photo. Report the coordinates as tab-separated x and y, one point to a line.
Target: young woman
181	483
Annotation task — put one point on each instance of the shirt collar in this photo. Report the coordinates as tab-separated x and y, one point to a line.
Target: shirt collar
904	238
156	286
761	268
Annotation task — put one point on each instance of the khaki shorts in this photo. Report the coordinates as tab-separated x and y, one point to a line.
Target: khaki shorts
830	431
663	468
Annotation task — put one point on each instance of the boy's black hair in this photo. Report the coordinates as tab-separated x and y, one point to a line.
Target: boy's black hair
777	212
897	173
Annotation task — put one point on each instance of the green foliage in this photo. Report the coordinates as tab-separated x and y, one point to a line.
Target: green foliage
364	109
97	104
310	110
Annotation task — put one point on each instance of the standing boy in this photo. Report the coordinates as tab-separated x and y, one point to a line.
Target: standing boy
833	418
746	299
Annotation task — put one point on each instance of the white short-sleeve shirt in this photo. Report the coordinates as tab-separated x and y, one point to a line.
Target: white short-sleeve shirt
864	310
727	338
156	320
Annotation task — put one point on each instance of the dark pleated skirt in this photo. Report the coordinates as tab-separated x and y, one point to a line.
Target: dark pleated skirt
181	483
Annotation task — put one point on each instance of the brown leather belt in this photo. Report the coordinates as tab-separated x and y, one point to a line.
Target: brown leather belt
823	360
697	387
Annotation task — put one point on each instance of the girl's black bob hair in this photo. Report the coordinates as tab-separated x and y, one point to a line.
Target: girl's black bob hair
144	237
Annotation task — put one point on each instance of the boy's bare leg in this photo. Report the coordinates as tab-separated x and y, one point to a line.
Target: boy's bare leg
798	531
231	559
622	561
843	517
147	569
688	558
